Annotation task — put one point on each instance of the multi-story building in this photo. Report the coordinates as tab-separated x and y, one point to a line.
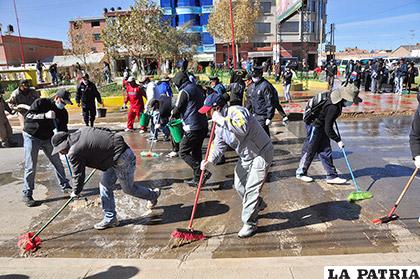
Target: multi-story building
92	28
33	49
196	13
298	36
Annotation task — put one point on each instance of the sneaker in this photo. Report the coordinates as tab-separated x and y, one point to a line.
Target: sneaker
106	224
152	139
152	203
247	231
141	131
305	178
66	188
418	220
30	202
336	180
128	130
172	154
261	204
191	182
5	144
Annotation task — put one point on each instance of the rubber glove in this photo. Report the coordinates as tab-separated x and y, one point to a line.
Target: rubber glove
218	118
417	161
268	122
204	165
49	114
340	144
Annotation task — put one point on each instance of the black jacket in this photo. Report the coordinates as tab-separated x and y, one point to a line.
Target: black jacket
327	117
236	90
97	148
415	132
260	99
38	126
86	94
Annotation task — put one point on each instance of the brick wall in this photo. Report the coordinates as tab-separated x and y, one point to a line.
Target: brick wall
93	30
33	49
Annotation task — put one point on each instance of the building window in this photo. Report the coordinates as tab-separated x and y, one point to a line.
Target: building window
263	27
93	49
266	7
262	44
96	37
292	26
95	23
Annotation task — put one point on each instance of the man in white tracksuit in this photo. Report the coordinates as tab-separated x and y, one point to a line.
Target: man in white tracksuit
238	129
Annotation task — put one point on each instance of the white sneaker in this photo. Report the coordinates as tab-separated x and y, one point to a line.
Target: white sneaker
305	178
336	180
128	130
247	231
141	131
172	154
152	203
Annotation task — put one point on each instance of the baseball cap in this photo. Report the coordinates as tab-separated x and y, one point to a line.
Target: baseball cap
64	95
212	100
60	142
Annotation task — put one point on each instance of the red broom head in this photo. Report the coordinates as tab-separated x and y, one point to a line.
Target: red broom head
188	235
28	244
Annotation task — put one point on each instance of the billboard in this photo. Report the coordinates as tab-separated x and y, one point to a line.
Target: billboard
286	8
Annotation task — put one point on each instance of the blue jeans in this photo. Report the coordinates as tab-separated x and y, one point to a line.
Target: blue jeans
317	142
123	170
31	146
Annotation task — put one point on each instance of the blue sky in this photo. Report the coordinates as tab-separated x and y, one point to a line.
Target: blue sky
368	24
374	24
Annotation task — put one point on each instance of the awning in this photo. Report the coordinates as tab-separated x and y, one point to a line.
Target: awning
255	54
204	57
291	11
70	60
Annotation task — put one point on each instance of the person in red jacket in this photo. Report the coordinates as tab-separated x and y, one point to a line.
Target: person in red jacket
134	95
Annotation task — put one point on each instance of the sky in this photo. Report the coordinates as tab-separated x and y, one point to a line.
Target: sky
367	24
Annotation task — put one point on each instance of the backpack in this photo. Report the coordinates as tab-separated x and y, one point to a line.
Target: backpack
314	107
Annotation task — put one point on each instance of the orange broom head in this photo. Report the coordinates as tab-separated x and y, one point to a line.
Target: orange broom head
386	219
27	244
181	237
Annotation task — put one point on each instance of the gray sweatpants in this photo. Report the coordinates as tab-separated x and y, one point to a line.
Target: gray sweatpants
249	178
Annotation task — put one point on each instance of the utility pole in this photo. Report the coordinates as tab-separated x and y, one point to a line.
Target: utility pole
22	57
233	33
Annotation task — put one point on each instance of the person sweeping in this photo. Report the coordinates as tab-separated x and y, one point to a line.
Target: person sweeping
238	129
99	148
319	124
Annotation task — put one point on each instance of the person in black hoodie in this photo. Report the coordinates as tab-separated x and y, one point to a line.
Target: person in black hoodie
85	96
190	100
44	116
321	130
236	89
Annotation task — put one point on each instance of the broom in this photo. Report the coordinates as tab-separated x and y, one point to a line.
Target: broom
358	195
391	215
30	242
150	153
181	237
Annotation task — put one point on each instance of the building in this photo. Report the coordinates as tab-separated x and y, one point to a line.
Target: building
298	35
195	12
33	49
405	50
91	28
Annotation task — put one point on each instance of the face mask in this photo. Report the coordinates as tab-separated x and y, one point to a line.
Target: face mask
60	105
255	79
85	82
348	103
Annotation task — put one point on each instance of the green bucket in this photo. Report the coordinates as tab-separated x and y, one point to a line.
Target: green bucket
175	127
144	120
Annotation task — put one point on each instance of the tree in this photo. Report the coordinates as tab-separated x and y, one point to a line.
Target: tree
245	13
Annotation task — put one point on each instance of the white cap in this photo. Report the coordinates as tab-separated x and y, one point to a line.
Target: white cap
130	79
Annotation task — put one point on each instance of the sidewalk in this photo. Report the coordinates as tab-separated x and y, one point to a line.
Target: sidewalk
306	267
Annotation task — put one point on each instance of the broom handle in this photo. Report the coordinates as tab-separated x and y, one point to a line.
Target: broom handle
403	192
61	209
68	164
202	176
347	161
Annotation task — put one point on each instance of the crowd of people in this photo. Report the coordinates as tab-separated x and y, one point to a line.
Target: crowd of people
243	111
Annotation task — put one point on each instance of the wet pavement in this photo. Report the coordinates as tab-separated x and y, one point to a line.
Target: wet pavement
301	219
